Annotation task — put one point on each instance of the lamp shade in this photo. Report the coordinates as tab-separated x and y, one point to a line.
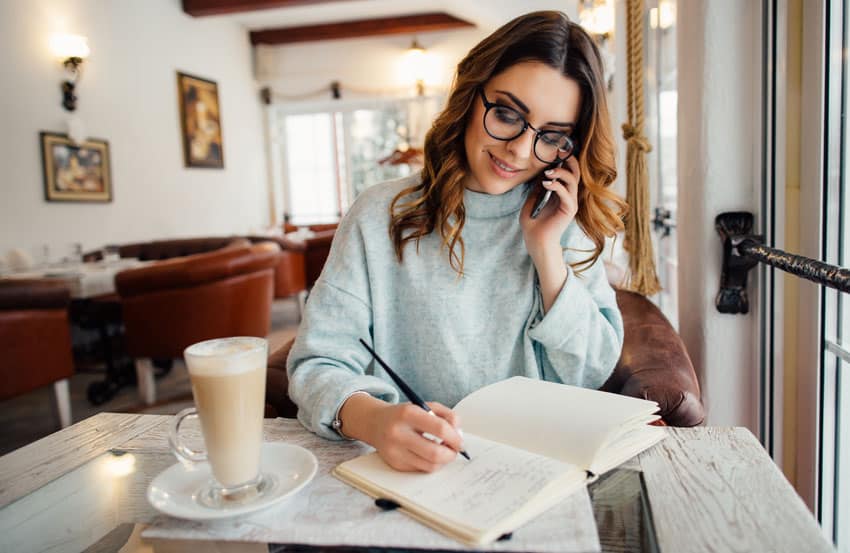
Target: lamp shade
66	46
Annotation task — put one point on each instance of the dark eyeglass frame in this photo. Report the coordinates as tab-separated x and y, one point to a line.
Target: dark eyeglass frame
488	105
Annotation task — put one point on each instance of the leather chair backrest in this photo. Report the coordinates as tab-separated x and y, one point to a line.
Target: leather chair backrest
35	337
180	247
193	270
33	294
173	304
654	363
289	275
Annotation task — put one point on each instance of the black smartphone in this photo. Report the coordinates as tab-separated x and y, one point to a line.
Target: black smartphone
545	194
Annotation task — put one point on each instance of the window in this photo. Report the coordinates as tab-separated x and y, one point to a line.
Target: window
661	106
311	167
835	352
374	134
331	153
823	387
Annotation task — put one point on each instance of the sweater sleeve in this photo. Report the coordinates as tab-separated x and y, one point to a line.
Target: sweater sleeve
581	336
327	363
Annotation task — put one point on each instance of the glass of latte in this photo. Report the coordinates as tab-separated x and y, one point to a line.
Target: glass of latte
229	386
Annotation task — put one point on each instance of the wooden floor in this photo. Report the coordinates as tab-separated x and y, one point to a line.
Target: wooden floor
32	416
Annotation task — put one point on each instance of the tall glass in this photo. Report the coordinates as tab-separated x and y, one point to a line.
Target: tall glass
229	386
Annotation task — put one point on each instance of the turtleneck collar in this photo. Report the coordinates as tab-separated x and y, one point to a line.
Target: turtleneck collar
479	205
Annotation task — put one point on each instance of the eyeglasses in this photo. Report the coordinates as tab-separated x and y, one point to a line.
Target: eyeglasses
505	123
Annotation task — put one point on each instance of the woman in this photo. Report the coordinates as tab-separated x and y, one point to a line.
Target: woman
448	275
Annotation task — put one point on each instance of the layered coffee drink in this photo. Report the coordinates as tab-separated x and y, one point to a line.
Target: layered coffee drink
229	385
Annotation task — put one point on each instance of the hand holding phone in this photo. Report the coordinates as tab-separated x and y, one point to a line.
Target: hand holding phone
545	194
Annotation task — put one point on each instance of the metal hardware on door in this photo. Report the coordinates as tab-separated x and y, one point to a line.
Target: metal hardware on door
742	251
663	220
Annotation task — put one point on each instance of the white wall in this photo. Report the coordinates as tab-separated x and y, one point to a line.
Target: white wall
718	166
128	96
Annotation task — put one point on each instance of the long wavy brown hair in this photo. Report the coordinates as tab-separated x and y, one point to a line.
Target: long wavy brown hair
548	37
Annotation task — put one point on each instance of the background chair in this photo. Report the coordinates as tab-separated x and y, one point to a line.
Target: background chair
167	249
314	249
290	277
35	339
653	365
175	303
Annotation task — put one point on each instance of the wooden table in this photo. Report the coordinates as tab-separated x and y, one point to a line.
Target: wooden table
710	489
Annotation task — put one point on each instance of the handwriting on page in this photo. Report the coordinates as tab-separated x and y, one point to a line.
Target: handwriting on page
497	482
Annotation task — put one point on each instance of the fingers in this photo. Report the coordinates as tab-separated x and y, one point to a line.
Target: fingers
436	425
445	413
564	181
403	444
568	174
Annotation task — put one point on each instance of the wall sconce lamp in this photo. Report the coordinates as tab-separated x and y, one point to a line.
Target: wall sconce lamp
71	50
416	59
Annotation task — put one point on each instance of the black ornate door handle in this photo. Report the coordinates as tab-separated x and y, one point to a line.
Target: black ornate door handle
742	251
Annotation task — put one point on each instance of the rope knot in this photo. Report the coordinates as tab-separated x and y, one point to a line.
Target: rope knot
636	139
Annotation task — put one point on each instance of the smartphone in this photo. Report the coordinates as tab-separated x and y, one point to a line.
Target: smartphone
545	194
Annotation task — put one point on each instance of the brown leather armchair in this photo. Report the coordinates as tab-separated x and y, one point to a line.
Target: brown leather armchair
175	303
653	365
35	340
289	275
315	251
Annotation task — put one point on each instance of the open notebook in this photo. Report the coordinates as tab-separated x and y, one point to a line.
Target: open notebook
532	443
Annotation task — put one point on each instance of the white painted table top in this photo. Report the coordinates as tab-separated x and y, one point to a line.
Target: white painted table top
85	280
710	489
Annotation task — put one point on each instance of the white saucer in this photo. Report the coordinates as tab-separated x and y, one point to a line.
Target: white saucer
173	490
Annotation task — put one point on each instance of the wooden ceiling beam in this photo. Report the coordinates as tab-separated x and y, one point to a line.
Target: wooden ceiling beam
403	24
200	8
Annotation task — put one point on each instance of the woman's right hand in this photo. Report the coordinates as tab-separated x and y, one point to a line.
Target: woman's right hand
396	432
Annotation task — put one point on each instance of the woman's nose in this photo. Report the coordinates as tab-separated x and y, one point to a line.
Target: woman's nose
521	146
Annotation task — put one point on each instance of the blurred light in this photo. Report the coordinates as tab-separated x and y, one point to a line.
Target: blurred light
598	17
71	50
419	67
65	46
664	15
120	465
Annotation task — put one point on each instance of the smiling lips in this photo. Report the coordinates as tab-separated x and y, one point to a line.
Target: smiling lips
501	168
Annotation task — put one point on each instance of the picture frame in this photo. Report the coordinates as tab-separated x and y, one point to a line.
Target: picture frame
75	172
200	122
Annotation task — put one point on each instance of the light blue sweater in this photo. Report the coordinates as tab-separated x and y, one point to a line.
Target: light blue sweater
445	335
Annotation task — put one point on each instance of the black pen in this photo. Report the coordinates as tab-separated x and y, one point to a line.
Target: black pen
411	395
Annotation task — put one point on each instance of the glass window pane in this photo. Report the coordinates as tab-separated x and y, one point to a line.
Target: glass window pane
844	234
375	135
842	499
661	129
835	449
311	168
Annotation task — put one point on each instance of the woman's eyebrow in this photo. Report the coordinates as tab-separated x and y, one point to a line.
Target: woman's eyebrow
524	108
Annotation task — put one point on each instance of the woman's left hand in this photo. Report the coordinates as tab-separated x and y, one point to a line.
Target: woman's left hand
544	233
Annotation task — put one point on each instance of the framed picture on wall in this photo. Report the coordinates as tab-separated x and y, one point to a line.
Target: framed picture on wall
75	172
200	120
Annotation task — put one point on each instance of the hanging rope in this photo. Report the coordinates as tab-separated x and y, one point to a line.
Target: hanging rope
638	241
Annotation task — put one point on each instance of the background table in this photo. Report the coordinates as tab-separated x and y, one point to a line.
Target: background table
710	489
85	280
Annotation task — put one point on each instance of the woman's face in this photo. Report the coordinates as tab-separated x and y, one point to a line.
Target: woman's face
545	98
